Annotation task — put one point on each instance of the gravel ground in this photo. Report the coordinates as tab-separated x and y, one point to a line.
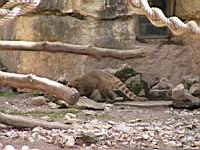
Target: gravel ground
117	127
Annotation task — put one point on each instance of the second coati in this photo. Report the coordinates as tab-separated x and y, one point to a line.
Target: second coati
103	81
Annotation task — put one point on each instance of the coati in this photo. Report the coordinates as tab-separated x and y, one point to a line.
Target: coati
103	81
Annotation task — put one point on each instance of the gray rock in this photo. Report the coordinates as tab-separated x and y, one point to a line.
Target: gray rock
85	102
53	105
195	89
178	93
189	80
156	94
164	84
136	84
123	128
38	101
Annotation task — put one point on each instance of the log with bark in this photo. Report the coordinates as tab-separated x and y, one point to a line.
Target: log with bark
25	122
30	81
89	50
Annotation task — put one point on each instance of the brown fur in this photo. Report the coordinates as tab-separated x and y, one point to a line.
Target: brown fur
104	82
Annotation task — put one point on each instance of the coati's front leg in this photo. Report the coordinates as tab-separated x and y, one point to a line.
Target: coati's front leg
110	96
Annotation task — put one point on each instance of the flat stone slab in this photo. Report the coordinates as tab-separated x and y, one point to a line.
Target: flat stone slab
144	103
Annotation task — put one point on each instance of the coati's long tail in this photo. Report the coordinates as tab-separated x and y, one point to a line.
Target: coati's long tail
123	88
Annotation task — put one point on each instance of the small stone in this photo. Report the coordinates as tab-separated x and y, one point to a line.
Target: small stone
53	105
46	118
25	147
172	143
70	141
38	101
195	89
134	121
108	143
1	145
30	139
89	112
123	128
111	122
71	115
8	147
146	136
37	129
197	143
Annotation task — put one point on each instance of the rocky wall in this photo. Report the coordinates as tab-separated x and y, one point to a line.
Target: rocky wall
190	10
103	23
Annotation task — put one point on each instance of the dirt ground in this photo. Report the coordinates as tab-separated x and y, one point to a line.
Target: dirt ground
20	104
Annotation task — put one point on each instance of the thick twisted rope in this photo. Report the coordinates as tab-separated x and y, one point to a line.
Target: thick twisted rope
14	8
157	18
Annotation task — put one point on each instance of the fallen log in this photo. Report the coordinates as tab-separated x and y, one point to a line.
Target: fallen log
89	50
25	122
31	81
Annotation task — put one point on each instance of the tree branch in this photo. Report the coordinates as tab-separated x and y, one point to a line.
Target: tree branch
31	81
74	49
25	122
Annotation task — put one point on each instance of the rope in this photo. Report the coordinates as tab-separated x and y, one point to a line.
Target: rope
157	18
14	8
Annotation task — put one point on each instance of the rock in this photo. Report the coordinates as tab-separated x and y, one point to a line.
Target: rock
62	104
38	101
123	128
134	121
87	103
189	80
71	115
172	143
1	145
195	89
47	118
161	91
89	112
146	136
6	89
188	101
160	94
164	84
70	141
136	84
197	143
25	147
8	147
53	105
125	72
178	93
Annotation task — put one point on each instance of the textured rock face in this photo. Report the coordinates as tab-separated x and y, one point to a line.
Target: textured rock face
188	9
103	23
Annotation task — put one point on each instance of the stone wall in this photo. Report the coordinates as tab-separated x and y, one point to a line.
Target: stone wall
190	10
103	23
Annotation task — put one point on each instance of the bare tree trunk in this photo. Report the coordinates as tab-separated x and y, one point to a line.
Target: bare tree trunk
74	49
25	122
31	81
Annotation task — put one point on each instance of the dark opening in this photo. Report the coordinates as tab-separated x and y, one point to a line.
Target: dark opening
144	27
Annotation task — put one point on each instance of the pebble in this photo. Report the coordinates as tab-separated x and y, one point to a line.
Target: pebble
179	131
38	101
25	147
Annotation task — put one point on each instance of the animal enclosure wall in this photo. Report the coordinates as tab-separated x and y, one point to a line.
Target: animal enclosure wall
102	23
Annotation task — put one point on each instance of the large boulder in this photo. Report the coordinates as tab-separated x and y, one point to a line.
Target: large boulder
161	91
